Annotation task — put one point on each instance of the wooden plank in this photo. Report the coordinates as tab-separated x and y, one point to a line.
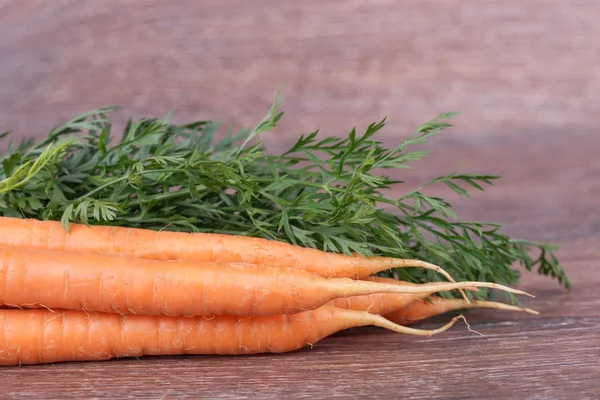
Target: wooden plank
342	63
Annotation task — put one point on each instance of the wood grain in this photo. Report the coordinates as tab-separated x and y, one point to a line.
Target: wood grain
530	113
508	66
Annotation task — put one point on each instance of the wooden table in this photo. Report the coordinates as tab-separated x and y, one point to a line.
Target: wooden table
549	191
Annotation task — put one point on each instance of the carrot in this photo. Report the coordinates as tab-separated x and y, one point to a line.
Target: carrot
127	285
418	310
40	336
201	247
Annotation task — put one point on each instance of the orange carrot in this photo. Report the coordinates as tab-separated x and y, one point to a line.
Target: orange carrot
418	310
41	336
127	285
201	247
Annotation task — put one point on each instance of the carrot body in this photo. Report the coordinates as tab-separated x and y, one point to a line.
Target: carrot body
418	310
200	247
127	285
41	336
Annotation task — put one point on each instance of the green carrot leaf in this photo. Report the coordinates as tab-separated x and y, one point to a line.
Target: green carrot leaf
327	192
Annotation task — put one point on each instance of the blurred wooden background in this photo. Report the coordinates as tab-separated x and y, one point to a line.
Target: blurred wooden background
509	66
524	75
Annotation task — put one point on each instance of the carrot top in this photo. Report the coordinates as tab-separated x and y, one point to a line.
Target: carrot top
323	192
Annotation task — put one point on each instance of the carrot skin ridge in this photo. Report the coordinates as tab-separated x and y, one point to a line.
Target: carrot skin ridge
39	336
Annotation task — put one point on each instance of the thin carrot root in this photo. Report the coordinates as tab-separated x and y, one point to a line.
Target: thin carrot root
356	289
383	303
405	263
422	309
381	279
489	304
381	322
386	303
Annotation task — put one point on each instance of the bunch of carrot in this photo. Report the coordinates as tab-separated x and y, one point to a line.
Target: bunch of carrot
98	292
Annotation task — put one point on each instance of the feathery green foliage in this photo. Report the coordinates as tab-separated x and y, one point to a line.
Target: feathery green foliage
321	193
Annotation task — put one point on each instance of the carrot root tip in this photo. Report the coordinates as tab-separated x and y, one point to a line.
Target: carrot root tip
469	326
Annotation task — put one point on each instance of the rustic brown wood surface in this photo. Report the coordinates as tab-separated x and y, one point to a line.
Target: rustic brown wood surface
530	104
